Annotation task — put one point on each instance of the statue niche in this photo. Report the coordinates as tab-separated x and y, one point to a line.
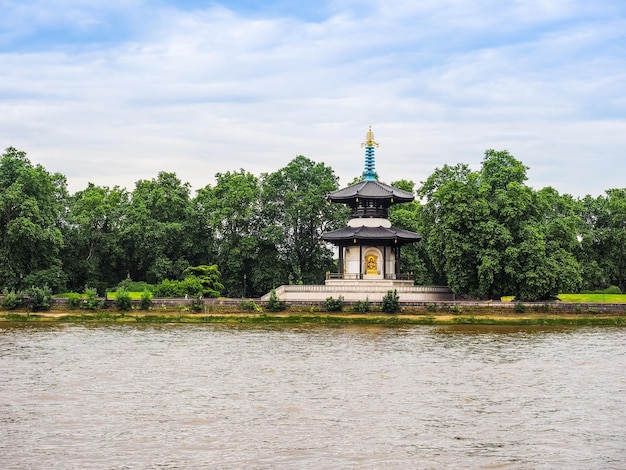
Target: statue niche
371	264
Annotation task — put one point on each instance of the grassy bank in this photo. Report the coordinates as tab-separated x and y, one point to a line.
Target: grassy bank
490	317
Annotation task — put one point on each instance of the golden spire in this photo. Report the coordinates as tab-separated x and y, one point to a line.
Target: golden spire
369	139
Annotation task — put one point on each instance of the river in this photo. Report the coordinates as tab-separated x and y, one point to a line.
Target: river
224	397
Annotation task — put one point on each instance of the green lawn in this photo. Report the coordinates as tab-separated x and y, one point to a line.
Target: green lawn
585	298
594	298
110	295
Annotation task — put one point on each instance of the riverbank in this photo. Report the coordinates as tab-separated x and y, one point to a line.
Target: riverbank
485	316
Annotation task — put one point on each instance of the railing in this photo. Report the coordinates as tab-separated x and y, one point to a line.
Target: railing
356	276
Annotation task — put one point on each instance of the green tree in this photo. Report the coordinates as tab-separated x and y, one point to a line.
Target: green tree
209	277
603	239
414	257
93	253
230	210
491	235
296	214
31	209
155	232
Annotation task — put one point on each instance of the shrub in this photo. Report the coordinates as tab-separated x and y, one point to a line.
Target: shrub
519	307
39	298
12	300
73	300
362	306
431	307
334	305
53	278
191	286
122	299
197	305
248	306
612	290
91	300
146	300
391	302
135	286
275	305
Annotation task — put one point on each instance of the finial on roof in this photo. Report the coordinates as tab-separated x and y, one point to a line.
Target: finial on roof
369	144
369	139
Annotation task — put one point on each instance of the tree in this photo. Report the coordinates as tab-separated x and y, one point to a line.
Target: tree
92	254
209	277
491	235
31	207
603	239
415	257
155	235
295	214
230	210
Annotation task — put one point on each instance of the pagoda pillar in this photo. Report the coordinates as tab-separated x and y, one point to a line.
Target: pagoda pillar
360	261
384	262
340	267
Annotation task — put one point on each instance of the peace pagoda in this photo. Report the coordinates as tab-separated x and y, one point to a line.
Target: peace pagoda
369	262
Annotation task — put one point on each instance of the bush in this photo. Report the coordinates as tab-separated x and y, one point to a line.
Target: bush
519	307
146	300
248	306
53	278
122	299
431	307
191	287
12	300
135	286
334	305
197	305
391	302
39	298
73	300
612	290
91	300
275	305
362	306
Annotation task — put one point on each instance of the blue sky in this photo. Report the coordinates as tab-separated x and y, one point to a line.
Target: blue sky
115	91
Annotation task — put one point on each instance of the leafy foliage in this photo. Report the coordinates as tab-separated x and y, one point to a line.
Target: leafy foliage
91	300
485	233
489	234
31	205
12	300
295	215
391	302
39	298
191	286
74	300
209	277
146	300
274	304
248	306
334	305
122	299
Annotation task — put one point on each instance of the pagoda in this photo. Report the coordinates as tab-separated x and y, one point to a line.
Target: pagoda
369	247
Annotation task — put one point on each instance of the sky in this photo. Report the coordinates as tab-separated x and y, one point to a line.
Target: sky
112	92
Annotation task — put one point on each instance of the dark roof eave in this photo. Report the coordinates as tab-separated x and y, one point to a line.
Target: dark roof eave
361	235
370	190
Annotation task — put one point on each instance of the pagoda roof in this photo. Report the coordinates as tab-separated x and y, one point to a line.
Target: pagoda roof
370	189
381	235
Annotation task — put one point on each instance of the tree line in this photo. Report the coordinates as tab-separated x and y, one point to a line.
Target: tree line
485	233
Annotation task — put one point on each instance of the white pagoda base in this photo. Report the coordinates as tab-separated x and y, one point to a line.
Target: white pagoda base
362	290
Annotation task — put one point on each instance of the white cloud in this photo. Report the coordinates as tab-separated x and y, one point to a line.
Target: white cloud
205	91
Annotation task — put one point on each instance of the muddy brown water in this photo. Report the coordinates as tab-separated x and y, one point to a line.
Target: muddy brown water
216	396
